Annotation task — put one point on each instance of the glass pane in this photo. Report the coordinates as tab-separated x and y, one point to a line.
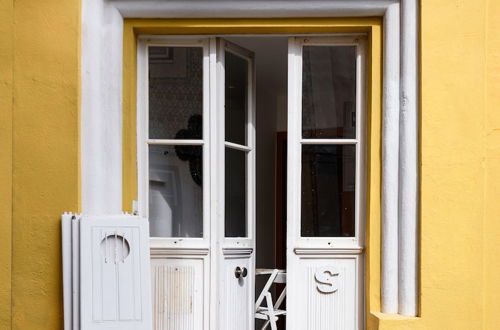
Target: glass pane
175	191
235	193
236	69
329	92
328	185
175	92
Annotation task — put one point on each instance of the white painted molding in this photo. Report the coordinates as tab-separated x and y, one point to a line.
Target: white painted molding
318	251
390	142
161	253
237	251
257	8
101	112
101	108
408	162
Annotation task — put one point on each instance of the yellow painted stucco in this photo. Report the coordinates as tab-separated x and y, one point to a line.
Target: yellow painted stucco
460	160
6	60
39	120
460	167
491	230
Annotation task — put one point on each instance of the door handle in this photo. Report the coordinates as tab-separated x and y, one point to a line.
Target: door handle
240	272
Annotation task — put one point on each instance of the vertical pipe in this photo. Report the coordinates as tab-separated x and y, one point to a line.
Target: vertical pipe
408	160
390	137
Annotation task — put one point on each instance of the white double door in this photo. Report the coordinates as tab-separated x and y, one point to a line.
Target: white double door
204	278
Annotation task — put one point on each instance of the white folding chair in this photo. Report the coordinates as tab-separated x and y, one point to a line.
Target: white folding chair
270	312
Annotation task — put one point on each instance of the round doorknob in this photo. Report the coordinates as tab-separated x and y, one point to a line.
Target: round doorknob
240	272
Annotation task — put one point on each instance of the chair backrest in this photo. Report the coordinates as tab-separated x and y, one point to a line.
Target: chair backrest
280	278
277	276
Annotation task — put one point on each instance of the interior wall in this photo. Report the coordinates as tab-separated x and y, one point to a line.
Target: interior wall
271	78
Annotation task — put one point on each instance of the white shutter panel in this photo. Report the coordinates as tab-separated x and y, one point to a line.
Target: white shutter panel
67	270
111	279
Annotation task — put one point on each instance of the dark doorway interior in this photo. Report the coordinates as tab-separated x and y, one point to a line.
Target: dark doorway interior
281	166
271	69
281	154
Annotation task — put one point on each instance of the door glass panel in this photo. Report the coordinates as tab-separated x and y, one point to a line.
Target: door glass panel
175	92
236	79
329	92
175	191
328	186
235	216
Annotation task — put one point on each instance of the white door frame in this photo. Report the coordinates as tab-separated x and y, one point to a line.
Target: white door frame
101	112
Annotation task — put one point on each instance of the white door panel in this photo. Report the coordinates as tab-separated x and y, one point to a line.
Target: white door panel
329	293
179	292
325	233
236	154
236	287
173	104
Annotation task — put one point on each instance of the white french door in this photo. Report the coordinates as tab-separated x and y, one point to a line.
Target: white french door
235	234
325	230
196	169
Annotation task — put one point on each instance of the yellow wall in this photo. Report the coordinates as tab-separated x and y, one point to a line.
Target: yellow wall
460	155
491	236
40	88
6	19
453	154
